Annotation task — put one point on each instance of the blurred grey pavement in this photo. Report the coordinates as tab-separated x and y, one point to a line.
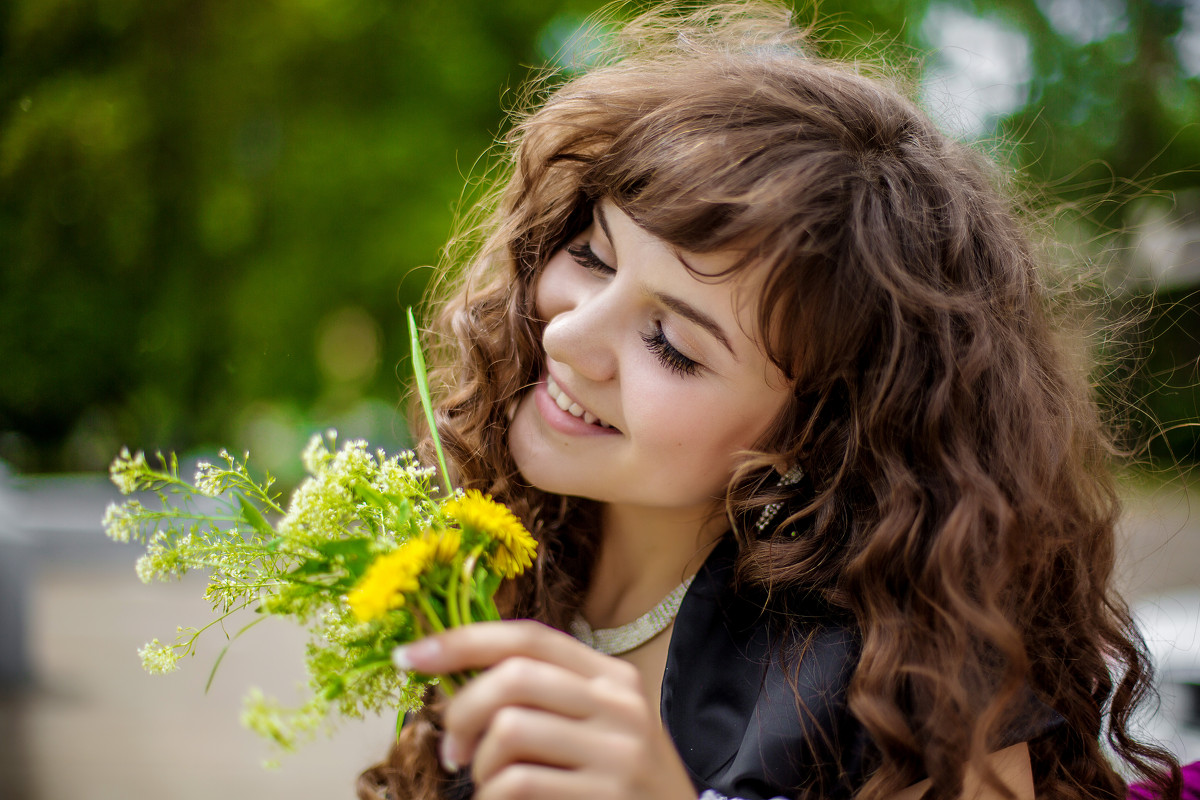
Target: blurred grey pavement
87	723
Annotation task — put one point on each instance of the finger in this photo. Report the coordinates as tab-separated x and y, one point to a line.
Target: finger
528	736
535	782
482	644
517	681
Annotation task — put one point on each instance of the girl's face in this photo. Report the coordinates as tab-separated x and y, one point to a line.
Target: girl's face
654	377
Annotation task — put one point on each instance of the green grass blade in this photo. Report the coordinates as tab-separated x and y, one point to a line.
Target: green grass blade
422	376
213	672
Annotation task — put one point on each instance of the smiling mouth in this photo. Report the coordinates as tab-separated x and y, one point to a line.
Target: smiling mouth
570	406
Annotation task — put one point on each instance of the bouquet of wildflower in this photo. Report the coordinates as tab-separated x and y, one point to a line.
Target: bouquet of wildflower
368	554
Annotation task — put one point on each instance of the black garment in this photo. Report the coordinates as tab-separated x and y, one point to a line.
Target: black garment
741	728
746	728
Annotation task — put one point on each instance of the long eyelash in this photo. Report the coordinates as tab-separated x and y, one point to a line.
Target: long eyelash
671	358
587	258
656	340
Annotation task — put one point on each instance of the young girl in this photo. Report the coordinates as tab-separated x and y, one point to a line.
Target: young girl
766	364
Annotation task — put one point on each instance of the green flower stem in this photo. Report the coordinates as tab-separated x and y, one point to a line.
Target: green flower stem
251	488
163	480
466	584
246	548
174	514
428	614
195	634
427	623
452	604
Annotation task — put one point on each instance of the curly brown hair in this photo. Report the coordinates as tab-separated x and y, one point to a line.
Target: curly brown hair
958	501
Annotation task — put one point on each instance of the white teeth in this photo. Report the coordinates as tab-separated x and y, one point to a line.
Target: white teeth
571	407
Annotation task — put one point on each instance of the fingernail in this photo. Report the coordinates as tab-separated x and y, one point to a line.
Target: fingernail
400	659
408	657
448	753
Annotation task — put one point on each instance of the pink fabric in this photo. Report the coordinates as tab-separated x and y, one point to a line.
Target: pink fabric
1191	786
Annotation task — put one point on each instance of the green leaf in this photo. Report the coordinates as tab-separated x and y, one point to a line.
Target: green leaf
402	511
341	549
254	517
334	688
422	378
372	661
353	554
489	582
371	495
399	500
312	566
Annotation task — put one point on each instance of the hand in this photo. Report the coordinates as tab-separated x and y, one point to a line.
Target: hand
549	718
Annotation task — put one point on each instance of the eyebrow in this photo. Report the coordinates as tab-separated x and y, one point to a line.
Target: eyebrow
695	315
599	212
680	307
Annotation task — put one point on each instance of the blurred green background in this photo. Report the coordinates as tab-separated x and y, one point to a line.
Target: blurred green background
213	213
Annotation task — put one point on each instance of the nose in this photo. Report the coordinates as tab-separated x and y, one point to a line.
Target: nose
581	321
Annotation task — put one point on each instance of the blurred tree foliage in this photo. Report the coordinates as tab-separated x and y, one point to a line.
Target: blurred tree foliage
1103	118
213	213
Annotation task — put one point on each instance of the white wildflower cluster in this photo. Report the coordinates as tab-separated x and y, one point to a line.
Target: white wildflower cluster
236	564
317	453
330	501
209	480
215	480
128	472
321	506
285	726
165	559
223	593
121	521
402	476
147	569
159	658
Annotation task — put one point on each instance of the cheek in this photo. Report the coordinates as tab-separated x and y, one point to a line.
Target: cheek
703	434
521	432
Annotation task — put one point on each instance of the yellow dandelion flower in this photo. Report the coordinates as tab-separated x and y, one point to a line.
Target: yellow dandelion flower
383	586
515	546
443	544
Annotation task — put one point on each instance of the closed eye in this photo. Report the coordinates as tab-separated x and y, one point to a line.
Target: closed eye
658	344
587	258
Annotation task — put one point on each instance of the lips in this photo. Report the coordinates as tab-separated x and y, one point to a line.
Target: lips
564	402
